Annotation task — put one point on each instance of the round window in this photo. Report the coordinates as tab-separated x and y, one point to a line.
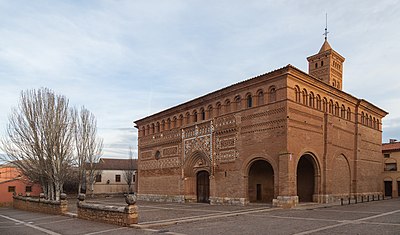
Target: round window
158	155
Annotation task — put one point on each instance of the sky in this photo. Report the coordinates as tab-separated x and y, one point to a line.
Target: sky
124	60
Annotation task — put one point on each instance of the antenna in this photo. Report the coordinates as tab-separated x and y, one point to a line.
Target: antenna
326	27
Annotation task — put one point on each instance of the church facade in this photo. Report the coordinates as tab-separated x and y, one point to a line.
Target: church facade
283	137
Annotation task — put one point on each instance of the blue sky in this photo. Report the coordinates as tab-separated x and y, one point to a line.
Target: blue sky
125	60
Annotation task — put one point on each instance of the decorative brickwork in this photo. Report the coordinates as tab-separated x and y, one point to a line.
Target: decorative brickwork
283	137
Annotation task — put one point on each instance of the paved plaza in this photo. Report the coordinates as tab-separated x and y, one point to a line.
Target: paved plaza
378	217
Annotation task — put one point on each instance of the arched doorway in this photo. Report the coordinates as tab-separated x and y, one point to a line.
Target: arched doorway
306	175
261	182
388	187
203	186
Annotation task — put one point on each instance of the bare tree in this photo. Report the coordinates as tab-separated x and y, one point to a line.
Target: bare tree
129	173
39	139
88	147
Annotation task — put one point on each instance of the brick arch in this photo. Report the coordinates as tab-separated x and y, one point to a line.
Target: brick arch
247	164
308	177
196	162
261	184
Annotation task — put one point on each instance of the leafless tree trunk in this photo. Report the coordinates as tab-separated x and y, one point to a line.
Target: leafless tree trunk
129	173
88	147
39	139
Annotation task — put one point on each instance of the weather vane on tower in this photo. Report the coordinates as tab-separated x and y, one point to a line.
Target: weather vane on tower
326	26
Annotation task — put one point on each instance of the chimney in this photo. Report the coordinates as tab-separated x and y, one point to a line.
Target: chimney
392	141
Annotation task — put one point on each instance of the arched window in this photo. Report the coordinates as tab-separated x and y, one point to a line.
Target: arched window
147	130
187	118
318	102
249	101
272	94
325	105
174	121
238	101
366	119
370	121
331	106
337	112
260	97
210	111
297	93
168	124
311	99
374	123
180	120
218	109
157	127
305	96
143	131
194	118
227	106
343	112
203	114
152	128
162	125
362	118
348	113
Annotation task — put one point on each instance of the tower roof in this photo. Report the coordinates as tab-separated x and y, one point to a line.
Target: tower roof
325	47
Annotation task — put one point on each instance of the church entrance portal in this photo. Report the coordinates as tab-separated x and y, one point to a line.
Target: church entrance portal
306	178
261	182
203	186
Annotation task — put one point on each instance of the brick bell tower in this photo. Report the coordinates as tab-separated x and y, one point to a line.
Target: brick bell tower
327	65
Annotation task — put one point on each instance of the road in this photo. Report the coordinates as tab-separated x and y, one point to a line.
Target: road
378	217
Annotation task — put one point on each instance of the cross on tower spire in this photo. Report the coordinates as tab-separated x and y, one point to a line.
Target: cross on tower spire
326	27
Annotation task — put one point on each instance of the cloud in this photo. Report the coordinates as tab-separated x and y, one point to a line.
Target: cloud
125	60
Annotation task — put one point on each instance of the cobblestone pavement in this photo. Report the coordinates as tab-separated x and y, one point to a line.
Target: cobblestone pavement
378	217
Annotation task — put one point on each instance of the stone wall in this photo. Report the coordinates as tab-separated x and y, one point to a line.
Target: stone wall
123	216
161	198
40	205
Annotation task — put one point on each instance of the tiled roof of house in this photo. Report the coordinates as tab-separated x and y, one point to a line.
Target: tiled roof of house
391	147
115	164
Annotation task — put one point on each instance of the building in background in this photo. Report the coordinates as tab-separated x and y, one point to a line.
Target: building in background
13	182
283	137
111	178
391	173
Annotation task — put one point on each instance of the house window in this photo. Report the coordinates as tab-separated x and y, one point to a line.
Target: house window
98	178
28	189
386	155
11	189
117	178
134	178
390	167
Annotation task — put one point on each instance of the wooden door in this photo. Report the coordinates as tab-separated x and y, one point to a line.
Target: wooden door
203	187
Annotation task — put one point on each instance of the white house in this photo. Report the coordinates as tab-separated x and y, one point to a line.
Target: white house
112	179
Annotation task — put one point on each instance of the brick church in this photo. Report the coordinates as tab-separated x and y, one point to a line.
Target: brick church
283	137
